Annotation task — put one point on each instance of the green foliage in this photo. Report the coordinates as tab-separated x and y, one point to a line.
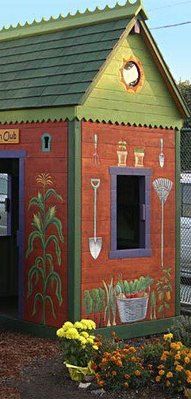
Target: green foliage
134	286
151	353
43	267
121	369
182	330
164	290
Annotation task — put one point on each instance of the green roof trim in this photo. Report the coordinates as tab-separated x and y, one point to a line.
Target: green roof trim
69	21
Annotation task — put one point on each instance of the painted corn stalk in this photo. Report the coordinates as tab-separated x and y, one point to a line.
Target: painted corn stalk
43	268
162	187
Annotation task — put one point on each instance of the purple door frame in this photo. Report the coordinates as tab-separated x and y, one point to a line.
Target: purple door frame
19	154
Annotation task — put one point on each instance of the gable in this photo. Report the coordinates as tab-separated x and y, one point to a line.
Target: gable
109	100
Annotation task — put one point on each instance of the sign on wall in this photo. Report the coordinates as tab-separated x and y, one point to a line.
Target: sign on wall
9	136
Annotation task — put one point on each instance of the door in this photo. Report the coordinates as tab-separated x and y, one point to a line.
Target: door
9	225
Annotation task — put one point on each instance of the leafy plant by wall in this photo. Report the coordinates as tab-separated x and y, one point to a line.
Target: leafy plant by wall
43	268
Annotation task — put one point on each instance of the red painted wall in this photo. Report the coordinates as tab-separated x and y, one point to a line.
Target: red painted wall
53	163
103	268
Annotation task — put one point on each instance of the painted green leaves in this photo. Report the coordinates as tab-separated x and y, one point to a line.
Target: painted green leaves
45	222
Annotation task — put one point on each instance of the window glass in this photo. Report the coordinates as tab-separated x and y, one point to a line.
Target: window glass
4	188
128	212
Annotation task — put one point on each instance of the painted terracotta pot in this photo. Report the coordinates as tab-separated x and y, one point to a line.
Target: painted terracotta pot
132	309
122	158
139	157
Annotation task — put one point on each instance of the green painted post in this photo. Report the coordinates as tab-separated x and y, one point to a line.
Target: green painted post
74	219
178	205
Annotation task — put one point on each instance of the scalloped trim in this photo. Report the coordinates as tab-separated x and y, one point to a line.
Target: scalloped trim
108	121
77	14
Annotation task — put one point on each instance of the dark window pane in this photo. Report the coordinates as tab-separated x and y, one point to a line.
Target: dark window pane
3	199
128	212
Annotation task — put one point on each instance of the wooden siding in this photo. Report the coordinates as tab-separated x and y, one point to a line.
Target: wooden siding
103	268
109	100
53	163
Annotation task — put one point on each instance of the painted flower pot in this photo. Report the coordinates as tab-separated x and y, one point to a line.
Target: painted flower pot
132	309
139	157
78	373
122	158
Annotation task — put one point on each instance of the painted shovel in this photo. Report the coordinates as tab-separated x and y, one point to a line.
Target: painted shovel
95	243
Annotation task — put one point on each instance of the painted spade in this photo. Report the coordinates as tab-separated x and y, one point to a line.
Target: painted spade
95	243
161	155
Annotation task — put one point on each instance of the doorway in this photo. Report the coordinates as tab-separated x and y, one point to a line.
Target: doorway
9	227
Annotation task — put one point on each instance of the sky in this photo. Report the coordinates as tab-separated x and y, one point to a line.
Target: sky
174	42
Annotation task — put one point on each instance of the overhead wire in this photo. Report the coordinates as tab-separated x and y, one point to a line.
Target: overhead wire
171	26
170	5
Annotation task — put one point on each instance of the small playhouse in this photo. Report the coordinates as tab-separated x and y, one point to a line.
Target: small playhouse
89	173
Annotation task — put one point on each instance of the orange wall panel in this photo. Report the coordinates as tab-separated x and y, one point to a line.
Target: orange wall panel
94	272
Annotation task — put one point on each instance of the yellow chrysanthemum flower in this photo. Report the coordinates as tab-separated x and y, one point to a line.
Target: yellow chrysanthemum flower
72	333
168	337
90	341
84	334
68	324
82	340
60	333
95	347
78	325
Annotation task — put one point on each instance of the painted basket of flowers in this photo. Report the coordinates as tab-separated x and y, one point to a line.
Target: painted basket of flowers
133	298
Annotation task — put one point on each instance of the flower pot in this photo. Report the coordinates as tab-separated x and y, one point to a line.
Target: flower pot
122	158
139	158
78	373
132	309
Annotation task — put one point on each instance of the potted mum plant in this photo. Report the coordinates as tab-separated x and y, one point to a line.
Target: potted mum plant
78	345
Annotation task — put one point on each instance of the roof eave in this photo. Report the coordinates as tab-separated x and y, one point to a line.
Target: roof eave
169	80
70	21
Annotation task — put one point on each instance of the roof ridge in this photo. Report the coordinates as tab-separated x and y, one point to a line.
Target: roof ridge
130	8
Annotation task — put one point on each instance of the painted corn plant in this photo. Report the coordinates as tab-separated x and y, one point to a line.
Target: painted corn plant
43	223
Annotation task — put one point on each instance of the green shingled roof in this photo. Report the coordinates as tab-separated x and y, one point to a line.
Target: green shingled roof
54	69
52	63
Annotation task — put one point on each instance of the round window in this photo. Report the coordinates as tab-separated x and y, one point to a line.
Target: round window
131	74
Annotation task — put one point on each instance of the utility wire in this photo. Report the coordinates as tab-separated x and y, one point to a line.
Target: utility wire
170	5
171	26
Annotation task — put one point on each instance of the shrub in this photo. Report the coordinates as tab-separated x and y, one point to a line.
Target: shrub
151	354
174	370
121	369
182	330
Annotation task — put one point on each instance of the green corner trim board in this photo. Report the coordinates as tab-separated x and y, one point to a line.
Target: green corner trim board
68	68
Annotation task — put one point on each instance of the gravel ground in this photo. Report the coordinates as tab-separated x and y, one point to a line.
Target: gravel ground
32	368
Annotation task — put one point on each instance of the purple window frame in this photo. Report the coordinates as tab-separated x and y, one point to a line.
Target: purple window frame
144	225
